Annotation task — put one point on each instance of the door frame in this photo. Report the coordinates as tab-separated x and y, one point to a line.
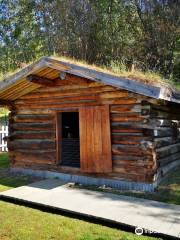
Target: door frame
58	129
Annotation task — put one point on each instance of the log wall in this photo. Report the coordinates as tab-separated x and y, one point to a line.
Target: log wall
32	142
165	119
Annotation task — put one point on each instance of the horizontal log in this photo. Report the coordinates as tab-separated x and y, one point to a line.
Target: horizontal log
33	126
130	177
31	144
80	103
160	122
167	151
57	106
132	158
129	150
165	141
121	101
38	166
34	157
128	138
126	118
113	94
165	115
141	124
35	151
124	142
131	131
127	125
131	163
160	132
32	135
132	169
66	92
33	118
166	160
57	100
136	108
168	109
27	111
73	84
18	162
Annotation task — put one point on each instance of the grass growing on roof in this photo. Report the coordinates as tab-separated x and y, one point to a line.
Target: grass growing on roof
115	68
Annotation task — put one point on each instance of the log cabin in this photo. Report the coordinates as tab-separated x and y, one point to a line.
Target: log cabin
91	127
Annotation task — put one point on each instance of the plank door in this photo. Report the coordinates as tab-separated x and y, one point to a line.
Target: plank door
95	139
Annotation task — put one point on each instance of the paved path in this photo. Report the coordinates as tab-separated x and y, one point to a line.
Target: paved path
151	215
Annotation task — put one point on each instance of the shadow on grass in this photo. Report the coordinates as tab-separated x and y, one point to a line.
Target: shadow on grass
12	182
6	180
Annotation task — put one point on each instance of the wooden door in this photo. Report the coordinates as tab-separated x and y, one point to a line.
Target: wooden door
95	139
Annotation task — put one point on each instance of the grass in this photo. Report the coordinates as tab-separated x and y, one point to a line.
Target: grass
115	68
22	223
7	183
168	191
4	161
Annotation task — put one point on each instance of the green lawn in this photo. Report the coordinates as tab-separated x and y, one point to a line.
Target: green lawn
23	223
12	182
4	161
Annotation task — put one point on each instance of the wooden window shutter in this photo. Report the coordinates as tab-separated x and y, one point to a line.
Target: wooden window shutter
95	140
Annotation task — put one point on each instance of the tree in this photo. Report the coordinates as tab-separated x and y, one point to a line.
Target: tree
160	26
104	32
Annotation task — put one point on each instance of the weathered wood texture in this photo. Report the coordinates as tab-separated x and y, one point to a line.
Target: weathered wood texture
134	122
165	119
95	139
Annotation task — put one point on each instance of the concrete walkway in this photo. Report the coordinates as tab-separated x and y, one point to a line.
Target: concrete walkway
150	215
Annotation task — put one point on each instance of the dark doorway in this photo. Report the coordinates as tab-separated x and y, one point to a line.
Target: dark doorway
70	154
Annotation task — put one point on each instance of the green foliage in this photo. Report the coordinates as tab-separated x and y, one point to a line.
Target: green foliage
4	112
103	32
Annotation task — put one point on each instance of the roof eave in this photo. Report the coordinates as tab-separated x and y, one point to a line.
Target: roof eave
163	93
